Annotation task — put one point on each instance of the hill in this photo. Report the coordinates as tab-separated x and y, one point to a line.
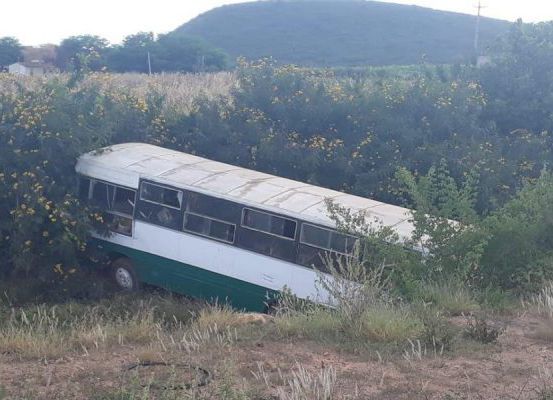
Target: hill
341	33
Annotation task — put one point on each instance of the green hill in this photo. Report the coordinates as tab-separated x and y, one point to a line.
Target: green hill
341	32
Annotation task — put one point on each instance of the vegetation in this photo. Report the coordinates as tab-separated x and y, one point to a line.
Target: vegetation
429	137
167	53
341	33
425	140
158	346
10	51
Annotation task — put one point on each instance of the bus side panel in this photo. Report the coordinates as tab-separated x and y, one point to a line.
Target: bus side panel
206	268
189	280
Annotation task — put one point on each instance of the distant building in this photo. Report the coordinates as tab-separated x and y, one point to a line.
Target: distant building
29	68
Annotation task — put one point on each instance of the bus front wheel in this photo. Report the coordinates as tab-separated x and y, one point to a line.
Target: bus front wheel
124	275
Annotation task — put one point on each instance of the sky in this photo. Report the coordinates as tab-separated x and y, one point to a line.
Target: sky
36	22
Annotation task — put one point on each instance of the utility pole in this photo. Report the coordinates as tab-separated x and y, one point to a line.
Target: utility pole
149	65
477	30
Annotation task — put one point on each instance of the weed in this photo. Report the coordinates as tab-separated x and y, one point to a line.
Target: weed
47	332
222	316
497	300
437	331
544	300
480	330
452	299
304	385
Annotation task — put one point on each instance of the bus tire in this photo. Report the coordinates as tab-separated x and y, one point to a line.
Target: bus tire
124	275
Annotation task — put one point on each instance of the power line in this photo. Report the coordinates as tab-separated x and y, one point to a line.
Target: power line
479	7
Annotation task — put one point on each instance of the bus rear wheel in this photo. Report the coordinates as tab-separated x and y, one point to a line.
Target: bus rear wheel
124	275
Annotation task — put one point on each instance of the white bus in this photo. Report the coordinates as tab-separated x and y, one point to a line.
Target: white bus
214	230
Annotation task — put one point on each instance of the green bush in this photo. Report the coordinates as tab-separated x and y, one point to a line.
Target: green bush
519	252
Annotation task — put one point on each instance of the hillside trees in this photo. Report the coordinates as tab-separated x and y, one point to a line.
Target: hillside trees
519	82
168	53
337	33
132	54
182	53
82	52
10	51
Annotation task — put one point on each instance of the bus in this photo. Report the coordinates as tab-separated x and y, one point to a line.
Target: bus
217	231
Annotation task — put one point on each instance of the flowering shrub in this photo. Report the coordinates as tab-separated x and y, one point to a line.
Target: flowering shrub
340	132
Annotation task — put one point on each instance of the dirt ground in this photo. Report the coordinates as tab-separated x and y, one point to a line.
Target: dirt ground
519	366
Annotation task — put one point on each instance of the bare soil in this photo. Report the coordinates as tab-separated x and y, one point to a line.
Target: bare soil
519	366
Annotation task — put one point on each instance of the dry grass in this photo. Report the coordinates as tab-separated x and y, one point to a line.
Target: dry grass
543	301
179	91
221	316
303	385
99	340
46	332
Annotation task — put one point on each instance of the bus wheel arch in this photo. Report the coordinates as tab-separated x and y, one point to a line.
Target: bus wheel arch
124	275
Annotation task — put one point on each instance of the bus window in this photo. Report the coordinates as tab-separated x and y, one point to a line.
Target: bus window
100	194
312	257
209	227
119	224
123	201
268	223
117	201
314	236
223	210
160	205
318	244
327	239
161	195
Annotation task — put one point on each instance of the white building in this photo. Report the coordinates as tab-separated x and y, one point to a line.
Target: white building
29	68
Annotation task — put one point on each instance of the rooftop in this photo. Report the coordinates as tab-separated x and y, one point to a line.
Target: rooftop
125	164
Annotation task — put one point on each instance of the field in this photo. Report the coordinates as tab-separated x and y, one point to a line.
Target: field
157	346
470	319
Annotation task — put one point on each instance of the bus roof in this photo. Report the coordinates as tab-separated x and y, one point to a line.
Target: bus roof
124	164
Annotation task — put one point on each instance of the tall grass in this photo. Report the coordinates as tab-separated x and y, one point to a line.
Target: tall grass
304	385
50	331
544	300
454	299
47	332
362	310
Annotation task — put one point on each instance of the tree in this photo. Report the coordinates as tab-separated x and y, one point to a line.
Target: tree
10	51
519	82
132	55
78	53
176	52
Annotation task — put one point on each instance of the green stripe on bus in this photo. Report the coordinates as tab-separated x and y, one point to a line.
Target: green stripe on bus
192	281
